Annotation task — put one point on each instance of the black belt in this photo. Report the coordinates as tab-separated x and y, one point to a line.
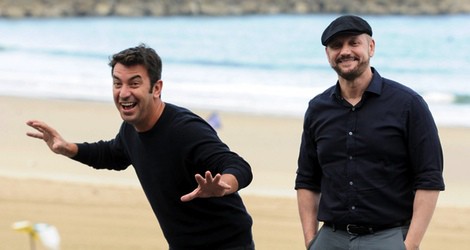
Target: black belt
354	229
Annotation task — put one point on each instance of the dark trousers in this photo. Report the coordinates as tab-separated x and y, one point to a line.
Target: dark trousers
246	247
330	239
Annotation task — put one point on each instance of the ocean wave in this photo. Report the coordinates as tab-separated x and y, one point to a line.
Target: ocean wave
462	99
55	52
244	64
211	62
446	98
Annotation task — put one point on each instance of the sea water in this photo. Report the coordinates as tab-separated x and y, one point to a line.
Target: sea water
257	64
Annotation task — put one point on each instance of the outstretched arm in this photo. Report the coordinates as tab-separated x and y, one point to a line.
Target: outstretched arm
52	138
209	186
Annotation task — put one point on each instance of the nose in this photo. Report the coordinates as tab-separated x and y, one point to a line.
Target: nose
124	91
345	50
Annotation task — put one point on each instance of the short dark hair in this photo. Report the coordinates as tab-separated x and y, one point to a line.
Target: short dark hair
140	55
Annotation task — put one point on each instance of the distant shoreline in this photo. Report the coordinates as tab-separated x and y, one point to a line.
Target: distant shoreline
69	8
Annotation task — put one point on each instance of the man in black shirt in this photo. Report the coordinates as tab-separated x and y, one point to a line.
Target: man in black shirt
190	177
370	163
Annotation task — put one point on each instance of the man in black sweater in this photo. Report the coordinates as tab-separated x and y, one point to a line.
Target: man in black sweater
190	177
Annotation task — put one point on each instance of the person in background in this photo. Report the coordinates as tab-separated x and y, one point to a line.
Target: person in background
190	177
370	162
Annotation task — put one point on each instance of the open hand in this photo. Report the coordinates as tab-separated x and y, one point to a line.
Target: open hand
52	138
208	186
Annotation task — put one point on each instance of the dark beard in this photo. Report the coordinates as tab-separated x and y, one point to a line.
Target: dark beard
353	74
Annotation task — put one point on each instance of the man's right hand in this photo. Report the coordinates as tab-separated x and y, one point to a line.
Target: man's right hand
52	138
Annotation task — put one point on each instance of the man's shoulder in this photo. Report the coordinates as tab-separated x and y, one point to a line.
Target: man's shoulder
182	119
400	88
326	95
179	113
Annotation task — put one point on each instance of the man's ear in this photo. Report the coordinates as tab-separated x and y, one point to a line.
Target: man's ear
371	47
157	88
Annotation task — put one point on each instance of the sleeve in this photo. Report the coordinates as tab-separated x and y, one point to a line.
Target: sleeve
103	154
424	147
309	171
204	150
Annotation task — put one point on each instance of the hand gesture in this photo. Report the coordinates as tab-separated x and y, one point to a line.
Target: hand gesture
52	138
208	186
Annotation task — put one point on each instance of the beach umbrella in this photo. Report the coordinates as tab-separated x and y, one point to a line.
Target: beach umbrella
47	234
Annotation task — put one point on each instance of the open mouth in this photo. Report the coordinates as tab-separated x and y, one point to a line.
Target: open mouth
128	105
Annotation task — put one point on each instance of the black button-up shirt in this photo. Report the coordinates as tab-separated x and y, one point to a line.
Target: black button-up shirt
367	160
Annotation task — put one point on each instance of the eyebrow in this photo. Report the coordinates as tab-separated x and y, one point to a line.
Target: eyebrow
130	79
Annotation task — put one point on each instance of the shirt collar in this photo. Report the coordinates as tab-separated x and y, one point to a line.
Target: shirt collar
375	86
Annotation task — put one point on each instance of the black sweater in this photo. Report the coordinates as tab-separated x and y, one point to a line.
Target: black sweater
166	158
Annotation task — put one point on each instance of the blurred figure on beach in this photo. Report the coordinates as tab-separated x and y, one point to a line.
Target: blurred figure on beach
190	177
370	162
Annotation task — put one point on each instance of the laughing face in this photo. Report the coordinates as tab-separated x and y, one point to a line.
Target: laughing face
349	55
135	99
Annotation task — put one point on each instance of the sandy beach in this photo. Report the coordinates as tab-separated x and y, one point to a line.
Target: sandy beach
107	210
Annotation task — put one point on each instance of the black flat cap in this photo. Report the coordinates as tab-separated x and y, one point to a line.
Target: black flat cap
348	24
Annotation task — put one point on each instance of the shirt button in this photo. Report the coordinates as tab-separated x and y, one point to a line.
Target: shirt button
353	109
351	183
350	133
353	207
350	157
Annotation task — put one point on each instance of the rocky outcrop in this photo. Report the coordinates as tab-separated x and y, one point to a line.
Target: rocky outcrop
63	8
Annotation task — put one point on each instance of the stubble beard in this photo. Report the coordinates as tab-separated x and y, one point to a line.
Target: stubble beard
354	73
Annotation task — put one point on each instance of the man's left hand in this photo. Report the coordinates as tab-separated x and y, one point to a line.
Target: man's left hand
208	186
